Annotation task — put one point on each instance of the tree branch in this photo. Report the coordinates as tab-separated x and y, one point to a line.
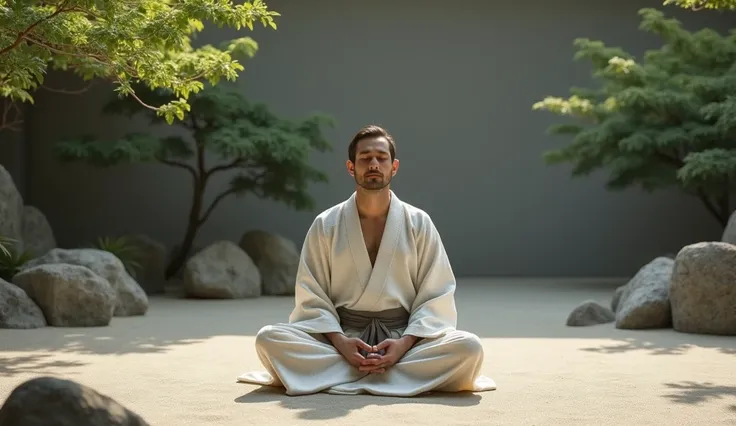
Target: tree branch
214	204
152	108
7	123
22	35
238	162
712	208
177	164
70	92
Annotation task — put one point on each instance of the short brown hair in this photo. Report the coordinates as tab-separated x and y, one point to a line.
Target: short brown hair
371	131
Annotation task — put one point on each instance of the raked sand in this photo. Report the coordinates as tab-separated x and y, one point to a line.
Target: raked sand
177	366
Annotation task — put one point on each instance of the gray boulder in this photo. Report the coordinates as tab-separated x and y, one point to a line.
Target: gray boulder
277	259
49	401
703	289
69	295
17	309
131	299
590	313
221	271
643	303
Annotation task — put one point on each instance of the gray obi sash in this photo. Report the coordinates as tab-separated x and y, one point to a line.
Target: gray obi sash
376	326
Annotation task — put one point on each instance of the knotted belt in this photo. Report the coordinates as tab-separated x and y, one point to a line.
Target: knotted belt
376	326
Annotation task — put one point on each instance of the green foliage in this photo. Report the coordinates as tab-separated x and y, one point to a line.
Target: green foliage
668	120
269	155
123	248
124	42
11	260
5	244
703	4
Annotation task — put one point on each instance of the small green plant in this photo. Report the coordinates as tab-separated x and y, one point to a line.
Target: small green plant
124	249
5	243
11	260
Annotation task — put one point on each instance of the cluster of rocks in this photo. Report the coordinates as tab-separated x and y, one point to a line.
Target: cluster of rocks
48	400
262	263
70	288
58	287
25	224
692	292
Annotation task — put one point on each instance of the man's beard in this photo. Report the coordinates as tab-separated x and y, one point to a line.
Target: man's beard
373	182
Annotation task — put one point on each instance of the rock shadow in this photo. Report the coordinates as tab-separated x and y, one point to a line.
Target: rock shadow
325	407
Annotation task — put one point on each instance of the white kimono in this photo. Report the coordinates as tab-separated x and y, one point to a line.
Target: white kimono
411	271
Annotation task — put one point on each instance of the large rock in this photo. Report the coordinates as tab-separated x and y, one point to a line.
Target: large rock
38	237
644	301
153	263
703	289
616	301
17	309
589	313
11	210
69	295
729	234
131	299
277	259
221	271
50	401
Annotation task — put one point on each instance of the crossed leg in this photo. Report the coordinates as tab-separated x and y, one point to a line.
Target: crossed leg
303	363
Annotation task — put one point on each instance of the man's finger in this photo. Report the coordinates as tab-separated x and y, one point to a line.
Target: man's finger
383	345
377	371
365	346
369	368
371	361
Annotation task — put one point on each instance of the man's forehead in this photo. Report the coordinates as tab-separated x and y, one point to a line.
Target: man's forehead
373	144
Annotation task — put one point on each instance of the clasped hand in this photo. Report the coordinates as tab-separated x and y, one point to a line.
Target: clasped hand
373	362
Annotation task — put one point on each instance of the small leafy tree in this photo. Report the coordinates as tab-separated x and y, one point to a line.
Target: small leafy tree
703	4
269	154
123	42
668	120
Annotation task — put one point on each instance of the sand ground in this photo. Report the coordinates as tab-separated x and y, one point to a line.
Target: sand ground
177	366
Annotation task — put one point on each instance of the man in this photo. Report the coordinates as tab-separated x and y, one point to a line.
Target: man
375	309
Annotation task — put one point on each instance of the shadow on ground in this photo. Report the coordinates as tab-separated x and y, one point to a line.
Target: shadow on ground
665	342
326	407
697	393
34	364
508	309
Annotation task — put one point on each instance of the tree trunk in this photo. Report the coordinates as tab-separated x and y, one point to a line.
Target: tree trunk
720	209
192	228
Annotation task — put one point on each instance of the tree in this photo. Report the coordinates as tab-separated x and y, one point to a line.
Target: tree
269	154
123	42
666	121
703	4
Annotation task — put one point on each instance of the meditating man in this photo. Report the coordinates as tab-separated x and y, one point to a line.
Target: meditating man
375	298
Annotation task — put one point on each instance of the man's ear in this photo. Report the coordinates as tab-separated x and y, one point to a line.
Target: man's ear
395	167
351	167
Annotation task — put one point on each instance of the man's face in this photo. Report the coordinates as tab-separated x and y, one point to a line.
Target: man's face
373	168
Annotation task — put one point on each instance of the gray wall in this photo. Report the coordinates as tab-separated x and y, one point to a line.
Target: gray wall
455	86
